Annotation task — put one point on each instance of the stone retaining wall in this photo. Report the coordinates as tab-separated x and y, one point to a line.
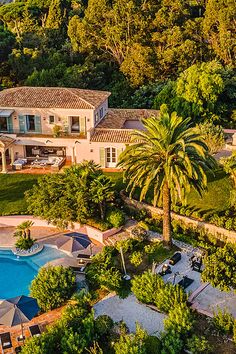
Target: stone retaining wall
219	232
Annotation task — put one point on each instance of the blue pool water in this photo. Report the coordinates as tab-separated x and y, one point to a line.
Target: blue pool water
16	274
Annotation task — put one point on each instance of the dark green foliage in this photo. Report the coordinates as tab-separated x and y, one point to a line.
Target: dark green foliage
220	268
103	325
132	343
78	194
146	286
71	334
169	296
99	53
204	91
198	345
223	322
115	217
102	271
24	244
53	286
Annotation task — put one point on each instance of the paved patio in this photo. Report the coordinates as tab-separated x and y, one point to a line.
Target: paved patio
131	311
203	296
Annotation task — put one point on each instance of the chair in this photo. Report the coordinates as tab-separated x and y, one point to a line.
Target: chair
20	338
34	330
5	339
175	258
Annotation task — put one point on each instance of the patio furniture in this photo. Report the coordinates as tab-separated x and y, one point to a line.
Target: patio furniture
175	258
35	330
18	310
185	282
5	339
19	163
20	338
166	269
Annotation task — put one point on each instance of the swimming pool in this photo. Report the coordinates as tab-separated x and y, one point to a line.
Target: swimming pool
16	273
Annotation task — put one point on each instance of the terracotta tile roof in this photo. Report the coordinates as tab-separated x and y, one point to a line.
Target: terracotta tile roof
113	126
116	118
111	135
52	97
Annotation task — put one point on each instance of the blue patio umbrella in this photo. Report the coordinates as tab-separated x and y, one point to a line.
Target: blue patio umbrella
18	310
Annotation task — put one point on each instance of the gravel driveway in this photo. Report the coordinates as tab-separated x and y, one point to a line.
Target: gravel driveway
130	311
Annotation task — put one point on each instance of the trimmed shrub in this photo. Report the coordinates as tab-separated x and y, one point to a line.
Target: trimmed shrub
136	258
103	325
53	286
153	345
198	345
172	343
223	322
115	217
179	320
98	224
146	285
169	296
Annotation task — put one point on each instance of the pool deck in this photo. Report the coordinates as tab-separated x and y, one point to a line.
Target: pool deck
42	320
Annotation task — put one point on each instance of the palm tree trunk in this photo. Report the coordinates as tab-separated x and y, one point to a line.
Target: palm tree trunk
166	216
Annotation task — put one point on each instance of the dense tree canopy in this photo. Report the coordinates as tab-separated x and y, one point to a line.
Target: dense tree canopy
100	44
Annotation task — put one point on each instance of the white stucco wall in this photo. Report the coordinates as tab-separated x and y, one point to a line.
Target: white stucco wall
61	117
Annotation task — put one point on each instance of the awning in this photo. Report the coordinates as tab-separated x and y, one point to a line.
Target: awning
6	112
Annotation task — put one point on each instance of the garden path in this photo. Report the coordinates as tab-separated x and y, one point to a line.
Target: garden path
131	311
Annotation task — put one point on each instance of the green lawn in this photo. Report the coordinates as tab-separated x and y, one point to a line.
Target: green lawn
12	188
216	198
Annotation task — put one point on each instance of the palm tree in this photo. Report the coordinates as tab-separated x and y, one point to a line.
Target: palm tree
169	157
102	191
23	230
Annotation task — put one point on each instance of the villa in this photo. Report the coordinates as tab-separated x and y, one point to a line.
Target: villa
45	125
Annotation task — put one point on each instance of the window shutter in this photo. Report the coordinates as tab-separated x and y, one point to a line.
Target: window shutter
82	124
9	124
22	124
102	157
38	127
119	151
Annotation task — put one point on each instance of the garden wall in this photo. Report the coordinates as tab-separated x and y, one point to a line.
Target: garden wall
219	232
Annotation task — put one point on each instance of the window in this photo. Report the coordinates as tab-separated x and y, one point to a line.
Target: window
75	124
51	119
101	113
110	157
3	124
30	123
96	117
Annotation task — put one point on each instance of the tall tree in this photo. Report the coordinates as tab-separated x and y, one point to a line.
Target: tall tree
55	15
219	27
168	157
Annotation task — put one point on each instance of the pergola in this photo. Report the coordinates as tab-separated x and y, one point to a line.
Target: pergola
6	143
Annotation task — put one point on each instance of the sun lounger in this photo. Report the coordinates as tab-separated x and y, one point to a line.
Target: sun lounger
5	339
175	258
185	282
35	330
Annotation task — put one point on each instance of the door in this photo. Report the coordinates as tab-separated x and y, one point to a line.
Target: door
111	157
